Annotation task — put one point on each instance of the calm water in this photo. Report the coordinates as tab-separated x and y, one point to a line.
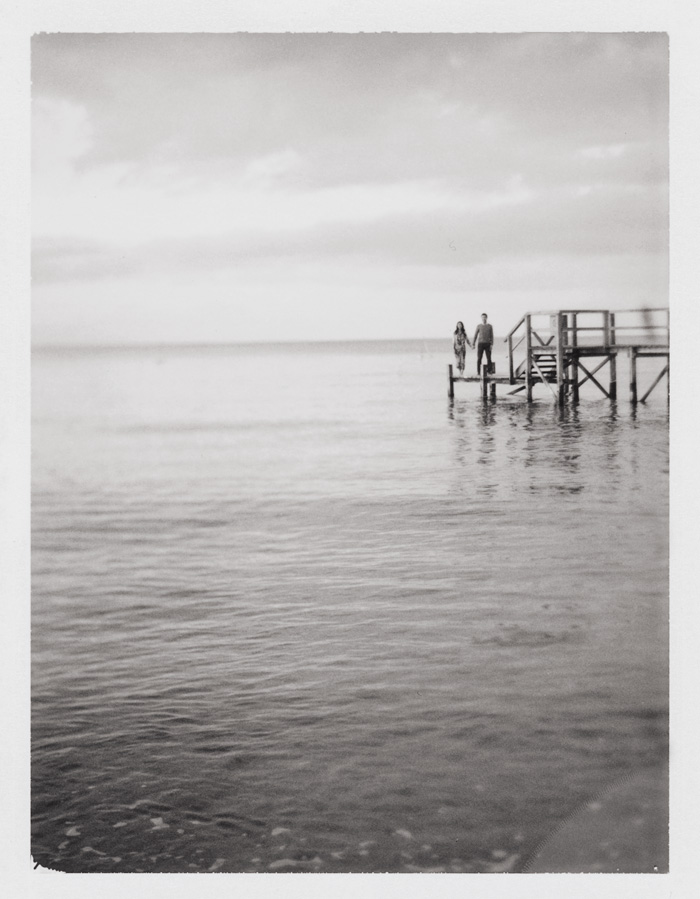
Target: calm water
293	611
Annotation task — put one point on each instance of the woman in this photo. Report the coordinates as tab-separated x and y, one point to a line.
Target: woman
460	343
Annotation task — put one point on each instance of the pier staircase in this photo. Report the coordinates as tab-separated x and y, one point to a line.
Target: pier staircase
542	366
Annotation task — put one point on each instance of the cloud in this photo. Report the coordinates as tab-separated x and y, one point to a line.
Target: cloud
117	207
179	156
609	151
266	170
376	102
409	225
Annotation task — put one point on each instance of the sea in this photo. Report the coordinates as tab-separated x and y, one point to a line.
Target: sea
294	610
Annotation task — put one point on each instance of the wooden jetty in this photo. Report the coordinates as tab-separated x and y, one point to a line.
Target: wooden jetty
549	348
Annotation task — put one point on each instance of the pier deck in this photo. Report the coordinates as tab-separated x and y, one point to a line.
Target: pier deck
492	379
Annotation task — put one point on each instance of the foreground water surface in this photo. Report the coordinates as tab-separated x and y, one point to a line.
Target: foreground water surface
295	611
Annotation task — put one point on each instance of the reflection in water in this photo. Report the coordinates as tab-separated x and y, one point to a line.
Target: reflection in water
541	447
458	418
476	443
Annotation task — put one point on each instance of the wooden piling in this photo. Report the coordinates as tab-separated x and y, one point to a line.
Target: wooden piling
450	383
567	355
574	358
560	359
613	376
528	351
613	357
492	390
633	374
484	380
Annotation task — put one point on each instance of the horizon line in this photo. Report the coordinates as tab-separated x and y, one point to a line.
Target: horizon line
229	343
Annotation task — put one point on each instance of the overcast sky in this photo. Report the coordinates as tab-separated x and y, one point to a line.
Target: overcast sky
284	187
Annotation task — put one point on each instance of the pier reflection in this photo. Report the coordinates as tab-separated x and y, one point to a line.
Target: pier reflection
475	445
539	448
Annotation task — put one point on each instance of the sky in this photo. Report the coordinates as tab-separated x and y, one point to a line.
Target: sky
241	187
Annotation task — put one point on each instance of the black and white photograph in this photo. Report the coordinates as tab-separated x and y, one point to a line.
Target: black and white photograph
350	452
346	359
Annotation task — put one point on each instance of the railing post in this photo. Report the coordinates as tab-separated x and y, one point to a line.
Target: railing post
613	357
528	357
450	383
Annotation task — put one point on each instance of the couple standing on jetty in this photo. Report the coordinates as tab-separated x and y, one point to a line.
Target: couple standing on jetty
483	341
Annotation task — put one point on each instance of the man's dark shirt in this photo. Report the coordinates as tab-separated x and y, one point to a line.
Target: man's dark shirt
483	334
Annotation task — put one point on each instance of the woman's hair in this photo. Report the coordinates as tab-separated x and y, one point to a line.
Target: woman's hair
460	327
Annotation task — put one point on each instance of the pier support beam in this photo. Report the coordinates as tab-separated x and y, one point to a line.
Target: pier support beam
573	368
574	377
660	375
633	375
561	383
613	357
450	383
613	376
528	357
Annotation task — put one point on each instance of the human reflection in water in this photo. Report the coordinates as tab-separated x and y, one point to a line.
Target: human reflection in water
475	446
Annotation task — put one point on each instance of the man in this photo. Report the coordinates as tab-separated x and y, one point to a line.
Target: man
483	341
